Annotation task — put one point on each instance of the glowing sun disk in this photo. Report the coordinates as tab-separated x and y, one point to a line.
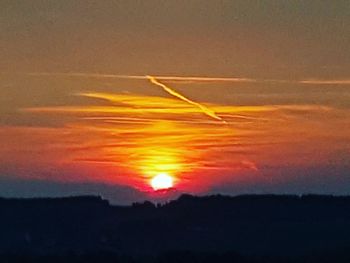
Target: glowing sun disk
162	181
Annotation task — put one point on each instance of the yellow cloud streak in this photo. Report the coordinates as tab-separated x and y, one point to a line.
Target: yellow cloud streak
138	104
203	108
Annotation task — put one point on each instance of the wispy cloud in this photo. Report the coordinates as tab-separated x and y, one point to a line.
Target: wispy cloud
141	108
196	79
326	82
145	77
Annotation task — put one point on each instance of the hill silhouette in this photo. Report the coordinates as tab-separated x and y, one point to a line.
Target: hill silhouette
249	228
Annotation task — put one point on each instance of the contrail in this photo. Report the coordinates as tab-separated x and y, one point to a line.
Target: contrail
136	77
326	82
193	79
203	108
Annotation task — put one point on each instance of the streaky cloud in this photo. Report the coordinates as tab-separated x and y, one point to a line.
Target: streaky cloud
326	82
195	79
142	77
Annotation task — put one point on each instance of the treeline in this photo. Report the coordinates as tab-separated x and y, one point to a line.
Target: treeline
257	228
340	256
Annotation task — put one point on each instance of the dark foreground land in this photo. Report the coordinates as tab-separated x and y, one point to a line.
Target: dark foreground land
252	228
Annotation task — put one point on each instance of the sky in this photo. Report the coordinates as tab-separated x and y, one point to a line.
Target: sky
231	97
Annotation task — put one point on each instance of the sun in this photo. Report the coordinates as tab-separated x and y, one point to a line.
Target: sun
162	181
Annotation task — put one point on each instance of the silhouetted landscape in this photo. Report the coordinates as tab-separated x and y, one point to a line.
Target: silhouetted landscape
169	131
248	228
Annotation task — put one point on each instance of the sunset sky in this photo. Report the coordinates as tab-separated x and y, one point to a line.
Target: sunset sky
232	97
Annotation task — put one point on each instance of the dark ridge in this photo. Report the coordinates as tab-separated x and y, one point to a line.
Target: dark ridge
244	227
71	199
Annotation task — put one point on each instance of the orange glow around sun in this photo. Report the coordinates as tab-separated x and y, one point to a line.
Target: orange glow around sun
162	181
153	143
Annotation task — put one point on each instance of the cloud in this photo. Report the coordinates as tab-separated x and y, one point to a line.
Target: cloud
326	82
196	79
191	79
